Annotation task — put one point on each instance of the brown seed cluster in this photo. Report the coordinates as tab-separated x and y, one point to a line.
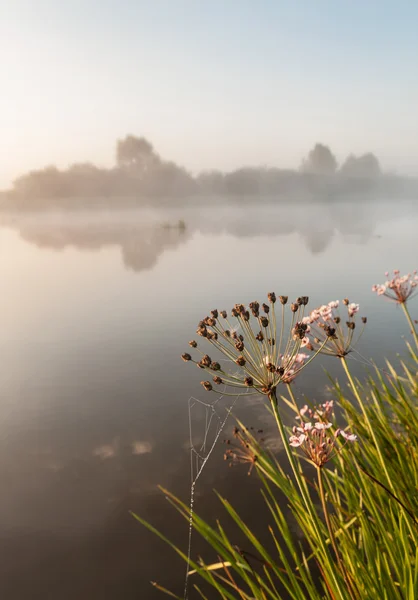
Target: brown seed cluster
255	354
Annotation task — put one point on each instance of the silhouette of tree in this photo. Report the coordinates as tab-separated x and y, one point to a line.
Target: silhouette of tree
136	154
365	166
320	161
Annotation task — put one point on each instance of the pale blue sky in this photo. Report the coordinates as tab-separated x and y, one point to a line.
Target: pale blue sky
211	83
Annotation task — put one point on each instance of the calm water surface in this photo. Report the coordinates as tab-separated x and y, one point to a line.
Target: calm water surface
96	309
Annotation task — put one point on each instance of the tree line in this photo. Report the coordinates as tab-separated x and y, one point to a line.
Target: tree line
140	172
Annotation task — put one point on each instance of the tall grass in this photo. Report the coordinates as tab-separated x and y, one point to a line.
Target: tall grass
355	504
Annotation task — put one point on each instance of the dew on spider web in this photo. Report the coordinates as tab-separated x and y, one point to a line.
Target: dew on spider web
202	444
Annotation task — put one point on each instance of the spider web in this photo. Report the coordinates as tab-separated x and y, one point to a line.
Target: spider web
216	414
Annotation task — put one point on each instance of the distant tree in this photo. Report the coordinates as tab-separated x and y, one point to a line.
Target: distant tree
211	182
245	181
46	183
136	154
320	161
167	178
365	166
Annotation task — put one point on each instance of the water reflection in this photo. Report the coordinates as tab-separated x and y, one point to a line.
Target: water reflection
143	236
93	403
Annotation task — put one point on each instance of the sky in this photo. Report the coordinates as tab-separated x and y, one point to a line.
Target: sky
211	83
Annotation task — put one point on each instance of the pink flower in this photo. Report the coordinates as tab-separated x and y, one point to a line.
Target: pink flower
399	288
305	342
353	309
321	426
350	437
297	440
316	442
328	332
300	358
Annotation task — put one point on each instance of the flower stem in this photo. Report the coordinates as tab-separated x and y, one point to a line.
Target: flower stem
411	323
304	493
366	417
292	397
331	534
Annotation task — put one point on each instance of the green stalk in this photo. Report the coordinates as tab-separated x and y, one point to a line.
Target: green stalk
410	321
292	397
304	493
366	417
331	535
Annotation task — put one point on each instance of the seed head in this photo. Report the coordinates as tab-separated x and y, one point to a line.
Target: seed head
224	314
207	385
206	360
255	308
283	299
186	357
258	354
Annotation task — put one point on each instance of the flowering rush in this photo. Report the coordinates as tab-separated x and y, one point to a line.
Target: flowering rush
327	332
322	412
400	288
254	347
316	441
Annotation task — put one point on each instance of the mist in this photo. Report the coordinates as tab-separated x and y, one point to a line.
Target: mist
141	177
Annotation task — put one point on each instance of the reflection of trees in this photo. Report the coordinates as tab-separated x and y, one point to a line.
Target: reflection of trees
142	252
143	240
140	245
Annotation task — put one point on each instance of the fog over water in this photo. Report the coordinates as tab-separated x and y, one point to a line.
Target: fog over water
98	307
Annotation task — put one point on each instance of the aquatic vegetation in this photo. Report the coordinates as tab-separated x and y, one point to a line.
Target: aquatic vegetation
257	350
329	332
353	488
400	289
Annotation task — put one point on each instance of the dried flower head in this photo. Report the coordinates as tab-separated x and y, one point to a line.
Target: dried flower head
241	452
316	441
399	288
325	330
257	354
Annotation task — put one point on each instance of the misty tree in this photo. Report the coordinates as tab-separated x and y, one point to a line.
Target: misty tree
136	154
211	182
365	166
320	161
45	182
